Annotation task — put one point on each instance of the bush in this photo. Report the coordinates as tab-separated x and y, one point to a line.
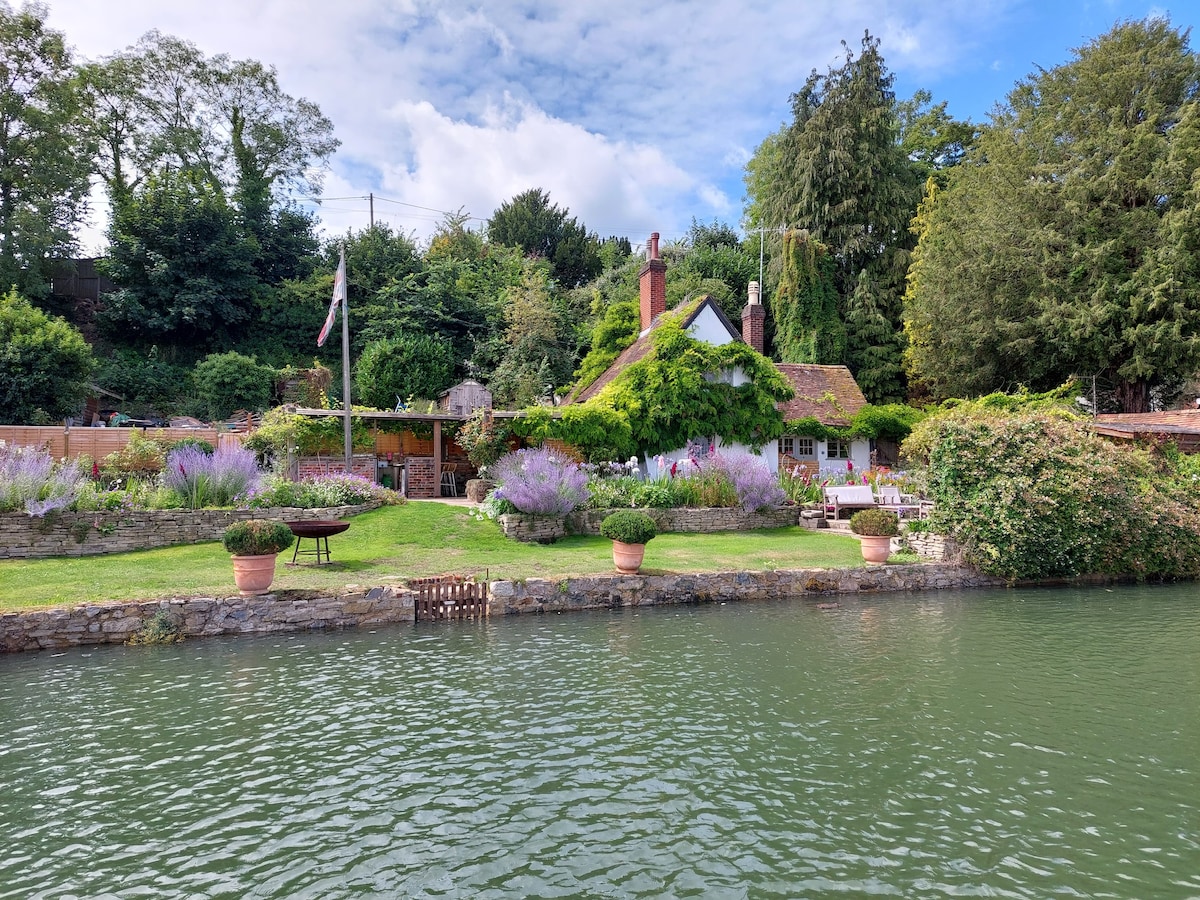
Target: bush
140	459
484	439
30	480
44	365
875	523
1032	494
629	527
416	365
257	537
337	489
227	382
540	482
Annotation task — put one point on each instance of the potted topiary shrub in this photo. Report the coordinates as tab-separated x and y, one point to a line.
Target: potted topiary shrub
875	528
255	543
629	530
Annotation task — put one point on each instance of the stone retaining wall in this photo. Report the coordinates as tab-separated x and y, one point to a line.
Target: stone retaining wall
545	529
541	595
299	611
88	534
933	546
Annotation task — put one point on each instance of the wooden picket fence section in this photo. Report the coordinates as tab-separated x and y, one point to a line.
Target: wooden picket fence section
69	443
447	598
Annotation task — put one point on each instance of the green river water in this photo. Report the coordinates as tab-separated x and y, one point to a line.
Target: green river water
986	744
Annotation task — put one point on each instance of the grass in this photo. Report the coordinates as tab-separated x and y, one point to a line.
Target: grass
395	543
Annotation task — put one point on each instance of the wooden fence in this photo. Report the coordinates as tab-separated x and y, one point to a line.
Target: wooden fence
439	599
69	443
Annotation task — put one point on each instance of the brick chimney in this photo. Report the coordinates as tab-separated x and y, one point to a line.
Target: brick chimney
753	317
653	283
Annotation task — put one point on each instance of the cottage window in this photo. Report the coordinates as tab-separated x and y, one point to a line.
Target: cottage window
837	449
797	447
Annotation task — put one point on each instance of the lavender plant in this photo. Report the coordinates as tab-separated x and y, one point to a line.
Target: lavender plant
540	482
215	479
756	486
30	479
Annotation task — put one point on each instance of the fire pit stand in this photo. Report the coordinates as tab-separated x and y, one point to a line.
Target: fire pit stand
319	530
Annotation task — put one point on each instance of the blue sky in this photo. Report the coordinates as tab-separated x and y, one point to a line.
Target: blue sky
637	117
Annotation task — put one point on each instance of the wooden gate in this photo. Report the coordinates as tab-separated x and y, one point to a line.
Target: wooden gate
439	599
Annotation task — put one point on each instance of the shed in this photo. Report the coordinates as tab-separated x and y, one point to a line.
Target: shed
464	398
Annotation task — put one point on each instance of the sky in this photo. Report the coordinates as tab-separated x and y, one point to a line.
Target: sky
636	117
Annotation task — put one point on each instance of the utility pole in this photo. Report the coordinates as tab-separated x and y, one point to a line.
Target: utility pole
371	200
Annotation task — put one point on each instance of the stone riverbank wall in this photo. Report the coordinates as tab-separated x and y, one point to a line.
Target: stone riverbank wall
115	623
92	533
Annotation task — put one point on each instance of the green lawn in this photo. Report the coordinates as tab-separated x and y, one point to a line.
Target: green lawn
395	543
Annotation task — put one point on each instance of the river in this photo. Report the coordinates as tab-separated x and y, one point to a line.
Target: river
1033	743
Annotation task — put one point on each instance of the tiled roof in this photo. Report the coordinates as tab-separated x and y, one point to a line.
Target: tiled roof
638	350
1188	419
827	393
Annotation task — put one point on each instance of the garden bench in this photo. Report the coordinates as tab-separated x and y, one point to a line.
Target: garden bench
847	496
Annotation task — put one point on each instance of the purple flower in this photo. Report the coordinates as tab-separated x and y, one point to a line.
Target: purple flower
540	482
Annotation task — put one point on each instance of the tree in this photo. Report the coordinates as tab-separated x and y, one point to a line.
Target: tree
807	326
539	353
228	382
44	365
1068	238
44	156
184	264
409	365
839	171
542	230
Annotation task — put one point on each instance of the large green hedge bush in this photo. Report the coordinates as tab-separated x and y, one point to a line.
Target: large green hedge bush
1035	494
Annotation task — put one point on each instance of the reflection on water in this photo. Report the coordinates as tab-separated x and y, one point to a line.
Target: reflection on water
1016	744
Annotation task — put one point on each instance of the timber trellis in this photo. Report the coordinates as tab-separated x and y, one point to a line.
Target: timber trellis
69	443
449	597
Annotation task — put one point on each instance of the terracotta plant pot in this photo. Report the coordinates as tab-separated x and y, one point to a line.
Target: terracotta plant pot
253	574
628	557
876	548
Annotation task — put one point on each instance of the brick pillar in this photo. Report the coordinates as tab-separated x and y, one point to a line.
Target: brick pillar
653	283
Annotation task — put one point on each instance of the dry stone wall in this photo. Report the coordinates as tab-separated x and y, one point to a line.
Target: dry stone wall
115	623
89	534
544	529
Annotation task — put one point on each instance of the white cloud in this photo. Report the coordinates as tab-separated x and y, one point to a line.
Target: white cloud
633	115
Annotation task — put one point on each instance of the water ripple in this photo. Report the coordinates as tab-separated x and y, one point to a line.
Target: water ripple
1025	744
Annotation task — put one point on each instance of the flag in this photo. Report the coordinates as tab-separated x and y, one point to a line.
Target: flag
339	296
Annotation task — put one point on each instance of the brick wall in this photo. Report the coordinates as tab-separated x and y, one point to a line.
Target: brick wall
422	479
363	464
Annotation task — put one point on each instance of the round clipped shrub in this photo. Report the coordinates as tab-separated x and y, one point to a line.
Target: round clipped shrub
257	537
629	527
875	523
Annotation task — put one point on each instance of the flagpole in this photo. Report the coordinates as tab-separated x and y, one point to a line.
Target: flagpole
346	369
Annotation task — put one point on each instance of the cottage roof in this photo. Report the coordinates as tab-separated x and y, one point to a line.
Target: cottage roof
1180	425
829	394
689	310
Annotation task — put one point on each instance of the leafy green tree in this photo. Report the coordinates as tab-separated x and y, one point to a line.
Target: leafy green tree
228	382
409	365
542	230
184	264
838	170
930	139
808	328
539	351
44	154
1067	241
44	365
150	383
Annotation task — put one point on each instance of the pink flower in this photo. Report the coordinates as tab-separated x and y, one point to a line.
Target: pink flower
849	465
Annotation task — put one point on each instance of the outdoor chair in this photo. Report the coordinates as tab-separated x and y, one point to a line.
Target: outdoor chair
449	482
